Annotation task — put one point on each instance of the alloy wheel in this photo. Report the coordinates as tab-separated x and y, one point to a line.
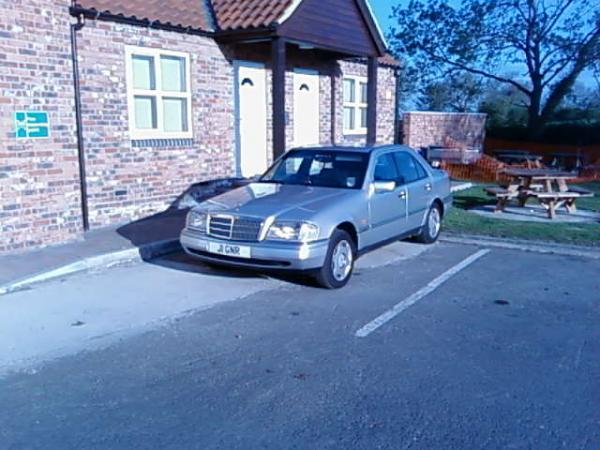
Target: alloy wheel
434	222
341	260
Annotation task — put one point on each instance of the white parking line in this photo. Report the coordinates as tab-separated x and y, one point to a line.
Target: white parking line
414	298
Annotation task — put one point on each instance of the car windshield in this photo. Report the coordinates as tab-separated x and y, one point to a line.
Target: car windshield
335	169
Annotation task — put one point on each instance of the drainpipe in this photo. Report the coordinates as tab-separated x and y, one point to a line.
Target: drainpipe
397	129
75	27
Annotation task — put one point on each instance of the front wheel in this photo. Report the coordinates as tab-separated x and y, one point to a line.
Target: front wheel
339	262
433	225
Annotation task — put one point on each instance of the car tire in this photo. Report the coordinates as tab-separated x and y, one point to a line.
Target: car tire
339	262
432	228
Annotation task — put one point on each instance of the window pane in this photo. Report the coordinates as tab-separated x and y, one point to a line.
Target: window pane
349	91
175	114
363	117
292	166
363	92
143	72
173	73
385	169
145	112
407	166
349	118
420	170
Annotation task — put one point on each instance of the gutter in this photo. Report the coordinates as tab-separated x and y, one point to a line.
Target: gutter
94	14
75	27
81	14
397	99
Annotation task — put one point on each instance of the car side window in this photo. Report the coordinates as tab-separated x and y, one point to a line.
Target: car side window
410	170
385	168
421	170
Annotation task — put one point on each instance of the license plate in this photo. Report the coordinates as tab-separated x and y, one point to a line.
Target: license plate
236	251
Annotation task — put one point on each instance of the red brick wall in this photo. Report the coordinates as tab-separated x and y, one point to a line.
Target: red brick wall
455	130
386	99
39	183
126	182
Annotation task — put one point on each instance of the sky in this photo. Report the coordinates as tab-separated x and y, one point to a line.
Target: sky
383	10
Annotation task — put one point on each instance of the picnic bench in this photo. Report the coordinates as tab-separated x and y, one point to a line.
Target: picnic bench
548	187
519	157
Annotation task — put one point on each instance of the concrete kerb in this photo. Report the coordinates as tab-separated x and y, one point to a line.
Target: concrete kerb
142	253
161	248
523	245
458	186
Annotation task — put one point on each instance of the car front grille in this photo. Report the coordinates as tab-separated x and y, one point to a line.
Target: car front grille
234	228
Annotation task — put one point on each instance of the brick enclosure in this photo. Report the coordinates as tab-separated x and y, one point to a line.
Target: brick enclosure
454	130
39	180
40	201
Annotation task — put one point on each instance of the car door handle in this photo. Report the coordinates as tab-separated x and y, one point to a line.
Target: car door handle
428	187
402	194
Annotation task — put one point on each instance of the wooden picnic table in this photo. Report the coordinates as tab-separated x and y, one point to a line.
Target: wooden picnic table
548	186
518	157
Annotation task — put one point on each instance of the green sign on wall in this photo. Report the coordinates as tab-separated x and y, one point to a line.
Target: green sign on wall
32	124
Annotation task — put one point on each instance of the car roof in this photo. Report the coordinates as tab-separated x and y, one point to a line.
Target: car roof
359	148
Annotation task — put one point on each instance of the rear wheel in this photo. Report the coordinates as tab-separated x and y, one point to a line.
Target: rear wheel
433	225
339	262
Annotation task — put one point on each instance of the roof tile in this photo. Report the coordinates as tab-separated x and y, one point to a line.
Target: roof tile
185	13
240	14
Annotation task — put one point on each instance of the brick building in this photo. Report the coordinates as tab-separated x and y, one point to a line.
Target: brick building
110	109
459	130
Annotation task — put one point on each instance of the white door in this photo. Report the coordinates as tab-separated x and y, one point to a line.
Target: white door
306	108
251	109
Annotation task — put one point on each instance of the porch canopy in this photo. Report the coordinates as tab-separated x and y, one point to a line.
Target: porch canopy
346	28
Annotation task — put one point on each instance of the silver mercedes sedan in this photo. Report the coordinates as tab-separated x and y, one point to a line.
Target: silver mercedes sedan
318	209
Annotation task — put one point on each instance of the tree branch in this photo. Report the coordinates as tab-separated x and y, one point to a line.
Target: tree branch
562	87
553	19
483	73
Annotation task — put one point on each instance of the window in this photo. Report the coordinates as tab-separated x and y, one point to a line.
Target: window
410	170
385	169
355	105
159	94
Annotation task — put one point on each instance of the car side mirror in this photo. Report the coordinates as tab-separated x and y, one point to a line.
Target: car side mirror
381	187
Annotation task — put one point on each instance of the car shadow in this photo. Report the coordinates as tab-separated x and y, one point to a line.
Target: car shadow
168	224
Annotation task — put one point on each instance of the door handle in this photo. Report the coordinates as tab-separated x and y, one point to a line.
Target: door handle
428	187
402	194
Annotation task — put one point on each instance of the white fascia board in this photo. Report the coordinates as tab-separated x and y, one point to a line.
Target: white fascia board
294	6
289	11
374	18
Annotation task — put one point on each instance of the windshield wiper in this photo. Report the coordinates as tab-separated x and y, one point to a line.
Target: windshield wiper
270	181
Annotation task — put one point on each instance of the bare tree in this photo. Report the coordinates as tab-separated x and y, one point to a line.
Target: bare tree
554	40
456	93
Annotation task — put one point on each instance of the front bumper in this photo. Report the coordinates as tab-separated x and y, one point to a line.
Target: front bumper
264	255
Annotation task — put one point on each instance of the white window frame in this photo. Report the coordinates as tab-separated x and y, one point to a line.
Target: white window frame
357	104
158	93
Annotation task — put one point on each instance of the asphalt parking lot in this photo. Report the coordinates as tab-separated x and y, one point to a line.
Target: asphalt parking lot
459	348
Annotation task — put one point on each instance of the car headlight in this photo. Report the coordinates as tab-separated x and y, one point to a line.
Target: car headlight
197	220
293	231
